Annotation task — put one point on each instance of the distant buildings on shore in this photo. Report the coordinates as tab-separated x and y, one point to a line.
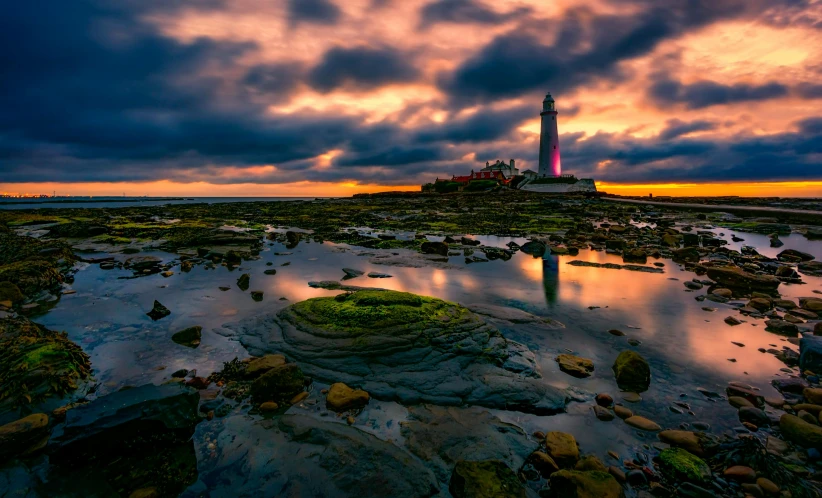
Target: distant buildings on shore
548	179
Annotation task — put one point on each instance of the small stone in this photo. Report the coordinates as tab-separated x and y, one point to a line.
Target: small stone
269	406
623	412
603	413
643	423
341	398
257	295
768	486
158	311
350	420
543	463
739	402
740	473
299	397
562	447
631	397
604	399
575	366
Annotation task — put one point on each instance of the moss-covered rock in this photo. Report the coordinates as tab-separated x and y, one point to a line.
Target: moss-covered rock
632	371
589	484
36	363
10	292
562	447
404	347
31	277
681	464
278	384
485	479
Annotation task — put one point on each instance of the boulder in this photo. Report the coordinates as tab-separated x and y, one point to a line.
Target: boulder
543	463
279	384
811	304
682	465
737	278
562	447
813	395
812	268
632	371
534	248
575	366
244	281
810	353
589	484
686	255
794	255
781	327
189	337
341	398
24	436
259	366
798	431
484	479
407	348
440	248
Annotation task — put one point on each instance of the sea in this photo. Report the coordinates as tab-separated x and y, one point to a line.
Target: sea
118	201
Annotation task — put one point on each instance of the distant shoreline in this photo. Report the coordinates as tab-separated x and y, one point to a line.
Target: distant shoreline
69	201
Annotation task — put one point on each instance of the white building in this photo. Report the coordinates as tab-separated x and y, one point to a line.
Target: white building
509	170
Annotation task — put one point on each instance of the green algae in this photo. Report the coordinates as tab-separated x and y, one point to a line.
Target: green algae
37	363
365	310
684	465
485	479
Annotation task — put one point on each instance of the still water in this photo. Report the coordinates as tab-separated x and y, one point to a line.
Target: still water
115	202
687	346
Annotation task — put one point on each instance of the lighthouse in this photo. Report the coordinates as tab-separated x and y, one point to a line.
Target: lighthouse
549	163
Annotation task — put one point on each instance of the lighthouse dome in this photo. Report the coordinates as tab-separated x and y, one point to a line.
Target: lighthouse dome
548	103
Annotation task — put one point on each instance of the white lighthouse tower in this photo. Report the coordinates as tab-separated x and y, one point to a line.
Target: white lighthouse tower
549	163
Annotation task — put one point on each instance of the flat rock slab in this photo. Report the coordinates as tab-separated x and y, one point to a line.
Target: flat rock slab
513	315
441	353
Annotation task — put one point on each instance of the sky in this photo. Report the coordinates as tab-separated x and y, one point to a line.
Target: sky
333	97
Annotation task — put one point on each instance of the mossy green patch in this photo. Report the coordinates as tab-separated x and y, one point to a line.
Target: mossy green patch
684	465
365	310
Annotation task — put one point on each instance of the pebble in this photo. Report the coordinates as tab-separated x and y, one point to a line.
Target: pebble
643	423
623	412
631	397
604	399
740	473
603	413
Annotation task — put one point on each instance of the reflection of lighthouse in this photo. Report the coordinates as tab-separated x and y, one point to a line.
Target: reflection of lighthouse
549	163
550	278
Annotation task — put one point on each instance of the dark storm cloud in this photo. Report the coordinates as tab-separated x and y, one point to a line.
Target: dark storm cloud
361	67
484	125
809	90
708	93
313	11
587	48
623	158
278	80
465	12
675	128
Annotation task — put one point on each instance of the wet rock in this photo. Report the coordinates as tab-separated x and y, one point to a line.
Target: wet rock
24	436
590	462
730	320
635	256
623	412
140	263
590	484
739	402
562	447
686	255
270	271
257	295
686	440
543	463
768	486
736	278
781	327
372	467
280	383
352	273
189	337
683	465
754	416
244	281
643	423
341	398
760	304
403	347
269	407
575	366
534	248
810	353
485	479
440	248
812	268
603	413
811	304
604	399
800	432
375	274
259	366
794	255
632	371
813	395
158	311
37	364
513	315
692	285
442	436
